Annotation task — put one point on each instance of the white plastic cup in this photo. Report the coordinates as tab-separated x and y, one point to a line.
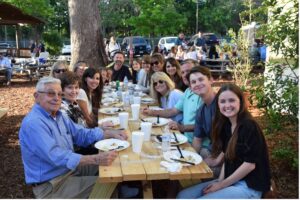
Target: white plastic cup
146	127
123	117
135	111
137	100
137	138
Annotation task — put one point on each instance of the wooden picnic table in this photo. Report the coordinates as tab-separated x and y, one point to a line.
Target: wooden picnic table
3	112
145	167
220	65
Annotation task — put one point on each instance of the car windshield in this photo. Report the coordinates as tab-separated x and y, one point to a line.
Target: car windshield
170	40
138	40
210	37
67	43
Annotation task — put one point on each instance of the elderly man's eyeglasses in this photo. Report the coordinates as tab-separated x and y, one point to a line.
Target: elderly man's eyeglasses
160	82
52	94
154	63
60	71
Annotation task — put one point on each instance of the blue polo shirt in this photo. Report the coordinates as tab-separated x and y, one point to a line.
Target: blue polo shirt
188	105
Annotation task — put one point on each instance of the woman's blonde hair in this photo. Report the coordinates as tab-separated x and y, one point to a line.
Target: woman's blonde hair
58	64
157	76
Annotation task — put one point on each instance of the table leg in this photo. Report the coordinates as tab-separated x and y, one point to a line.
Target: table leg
147	189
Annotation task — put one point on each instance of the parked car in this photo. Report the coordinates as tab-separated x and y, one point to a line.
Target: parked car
210	38
166	43
140	46
66	50
4	47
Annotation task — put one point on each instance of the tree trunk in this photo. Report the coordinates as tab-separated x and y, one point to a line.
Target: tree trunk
86	37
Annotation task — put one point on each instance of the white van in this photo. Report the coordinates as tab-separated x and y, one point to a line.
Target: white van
166	43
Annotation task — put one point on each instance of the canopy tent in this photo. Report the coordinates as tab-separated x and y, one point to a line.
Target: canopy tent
11	15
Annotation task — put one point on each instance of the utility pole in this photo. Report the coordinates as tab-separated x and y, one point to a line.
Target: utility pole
197	11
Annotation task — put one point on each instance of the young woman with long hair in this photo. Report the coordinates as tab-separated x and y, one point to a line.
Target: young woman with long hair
172	68
90	94
245	172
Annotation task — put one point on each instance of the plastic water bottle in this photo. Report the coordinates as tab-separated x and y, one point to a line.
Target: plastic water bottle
166	140
126	99
125	82
119	93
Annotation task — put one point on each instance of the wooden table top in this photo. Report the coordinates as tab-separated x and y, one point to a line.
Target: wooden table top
3	112
130	166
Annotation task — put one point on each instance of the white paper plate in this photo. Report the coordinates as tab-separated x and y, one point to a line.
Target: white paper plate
141	94
111	111
155	108
147	100
112	144
180	137
109	100
114	120
188	156
153	120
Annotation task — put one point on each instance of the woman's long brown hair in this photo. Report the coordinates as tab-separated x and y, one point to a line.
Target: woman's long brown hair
97	93
220	120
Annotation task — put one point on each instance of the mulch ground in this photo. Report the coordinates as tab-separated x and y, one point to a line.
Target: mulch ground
19	99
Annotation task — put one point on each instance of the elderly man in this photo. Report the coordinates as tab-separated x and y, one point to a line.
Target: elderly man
188	105
120	70
6	64
47	138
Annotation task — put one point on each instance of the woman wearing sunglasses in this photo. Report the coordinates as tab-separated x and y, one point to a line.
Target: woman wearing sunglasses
89	97
163	89
58	68
172	68
157	62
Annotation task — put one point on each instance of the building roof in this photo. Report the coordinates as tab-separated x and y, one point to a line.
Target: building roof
11	15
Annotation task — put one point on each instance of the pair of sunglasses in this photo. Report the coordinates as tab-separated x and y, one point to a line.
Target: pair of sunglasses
60	71
160	82
154	63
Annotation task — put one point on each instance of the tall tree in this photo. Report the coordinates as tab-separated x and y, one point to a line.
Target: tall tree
156	17
86	37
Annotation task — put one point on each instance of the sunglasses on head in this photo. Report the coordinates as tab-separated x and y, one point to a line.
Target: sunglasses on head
160	82
60	70
154	63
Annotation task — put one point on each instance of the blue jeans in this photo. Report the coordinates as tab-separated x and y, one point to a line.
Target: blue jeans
8	74
239	190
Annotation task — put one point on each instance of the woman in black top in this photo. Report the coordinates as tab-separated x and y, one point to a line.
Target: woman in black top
245	172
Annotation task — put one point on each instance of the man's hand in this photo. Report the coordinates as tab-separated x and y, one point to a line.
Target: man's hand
147	111
176	126
118	134
105	158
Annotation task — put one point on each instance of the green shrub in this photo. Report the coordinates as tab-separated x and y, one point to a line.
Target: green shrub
286	153
53	42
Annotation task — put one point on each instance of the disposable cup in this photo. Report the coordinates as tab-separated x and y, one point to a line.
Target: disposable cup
135	111
137	100
146	127
137	138
123	117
